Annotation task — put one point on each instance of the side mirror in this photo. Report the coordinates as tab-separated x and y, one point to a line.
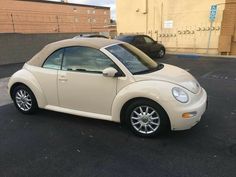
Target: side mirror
109	72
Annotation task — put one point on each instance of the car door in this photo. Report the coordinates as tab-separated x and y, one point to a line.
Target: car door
81	84
152	48
140	43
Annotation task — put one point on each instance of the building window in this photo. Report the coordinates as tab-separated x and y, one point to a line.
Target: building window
105	20
94	11
94	20
89	20
88	11
105	12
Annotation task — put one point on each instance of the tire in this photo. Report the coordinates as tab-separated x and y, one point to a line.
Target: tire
161	53
149	122
24	100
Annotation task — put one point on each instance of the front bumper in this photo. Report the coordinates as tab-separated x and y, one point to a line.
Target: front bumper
199	106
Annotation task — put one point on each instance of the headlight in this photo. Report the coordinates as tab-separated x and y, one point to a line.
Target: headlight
180	95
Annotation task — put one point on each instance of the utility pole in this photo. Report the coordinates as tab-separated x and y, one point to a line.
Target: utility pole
146	17
161	20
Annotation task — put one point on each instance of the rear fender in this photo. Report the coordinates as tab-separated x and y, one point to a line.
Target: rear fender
25	77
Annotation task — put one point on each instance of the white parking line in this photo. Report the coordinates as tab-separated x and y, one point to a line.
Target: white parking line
4	97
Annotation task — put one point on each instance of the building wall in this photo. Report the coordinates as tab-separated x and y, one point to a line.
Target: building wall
130	16
40	17
227	44
18	48
191	24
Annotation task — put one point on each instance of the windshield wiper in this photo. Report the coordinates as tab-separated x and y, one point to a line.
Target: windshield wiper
159	67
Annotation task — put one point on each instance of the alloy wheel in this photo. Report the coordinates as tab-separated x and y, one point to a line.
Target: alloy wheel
161	53
23	100
145	119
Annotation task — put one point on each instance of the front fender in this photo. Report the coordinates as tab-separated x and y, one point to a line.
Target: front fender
158	91
27	78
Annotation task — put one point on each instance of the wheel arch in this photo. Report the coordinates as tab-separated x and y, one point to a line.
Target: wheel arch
24	77
149	90
16	85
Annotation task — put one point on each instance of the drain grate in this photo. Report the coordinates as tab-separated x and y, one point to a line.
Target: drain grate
220	75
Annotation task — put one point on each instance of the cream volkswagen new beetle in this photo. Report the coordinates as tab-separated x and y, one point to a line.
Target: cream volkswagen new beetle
110	80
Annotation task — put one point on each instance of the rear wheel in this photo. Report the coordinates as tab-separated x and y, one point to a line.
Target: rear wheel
161	53
24	100
146	118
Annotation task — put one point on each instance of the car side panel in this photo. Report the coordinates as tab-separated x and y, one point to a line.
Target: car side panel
160	92
47	79
27	78
154	90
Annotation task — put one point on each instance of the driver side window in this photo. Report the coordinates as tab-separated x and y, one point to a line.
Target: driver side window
85	59
148	40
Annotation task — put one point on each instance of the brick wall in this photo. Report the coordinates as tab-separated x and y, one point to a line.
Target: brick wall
49	17
227	43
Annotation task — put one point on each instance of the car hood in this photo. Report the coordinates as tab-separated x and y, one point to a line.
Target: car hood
173	75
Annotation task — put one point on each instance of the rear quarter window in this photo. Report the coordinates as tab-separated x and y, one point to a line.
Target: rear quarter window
54	61
127	39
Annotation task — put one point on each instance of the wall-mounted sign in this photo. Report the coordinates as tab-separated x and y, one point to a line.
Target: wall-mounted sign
168	24
213	13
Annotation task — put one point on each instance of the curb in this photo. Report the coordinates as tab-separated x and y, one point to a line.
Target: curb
201	55
4	97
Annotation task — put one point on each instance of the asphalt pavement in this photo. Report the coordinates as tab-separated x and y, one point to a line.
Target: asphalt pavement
51	144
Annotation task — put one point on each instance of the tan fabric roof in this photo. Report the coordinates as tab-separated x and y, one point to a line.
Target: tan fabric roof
97	43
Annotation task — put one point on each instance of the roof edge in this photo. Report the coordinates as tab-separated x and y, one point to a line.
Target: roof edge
67	4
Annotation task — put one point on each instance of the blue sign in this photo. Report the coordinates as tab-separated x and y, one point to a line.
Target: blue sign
213	13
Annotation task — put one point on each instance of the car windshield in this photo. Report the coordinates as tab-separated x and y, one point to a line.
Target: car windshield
133	59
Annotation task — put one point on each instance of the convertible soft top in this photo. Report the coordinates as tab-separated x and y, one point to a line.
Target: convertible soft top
97	43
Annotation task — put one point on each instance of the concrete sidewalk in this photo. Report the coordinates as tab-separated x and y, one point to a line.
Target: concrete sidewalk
5	72
4	97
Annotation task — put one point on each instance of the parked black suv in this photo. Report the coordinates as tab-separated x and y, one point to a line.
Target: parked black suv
146	44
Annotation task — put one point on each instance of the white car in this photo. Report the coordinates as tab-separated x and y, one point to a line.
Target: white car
109	80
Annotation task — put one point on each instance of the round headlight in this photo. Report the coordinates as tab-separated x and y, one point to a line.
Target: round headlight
180	95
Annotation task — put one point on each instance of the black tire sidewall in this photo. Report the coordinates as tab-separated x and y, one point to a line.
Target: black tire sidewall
163	117
34	106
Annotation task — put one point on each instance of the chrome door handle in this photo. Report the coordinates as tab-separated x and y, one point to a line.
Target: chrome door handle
63	79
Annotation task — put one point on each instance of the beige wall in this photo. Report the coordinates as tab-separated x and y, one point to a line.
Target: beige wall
190	22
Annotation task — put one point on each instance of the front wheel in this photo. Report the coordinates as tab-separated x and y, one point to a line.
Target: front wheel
146	118
24	100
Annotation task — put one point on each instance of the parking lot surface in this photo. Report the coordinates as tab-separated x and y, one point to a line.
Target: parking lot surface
55	144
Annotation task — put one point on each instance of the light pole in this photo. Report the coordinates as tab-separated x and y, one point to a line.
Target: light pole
213	13
146	17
